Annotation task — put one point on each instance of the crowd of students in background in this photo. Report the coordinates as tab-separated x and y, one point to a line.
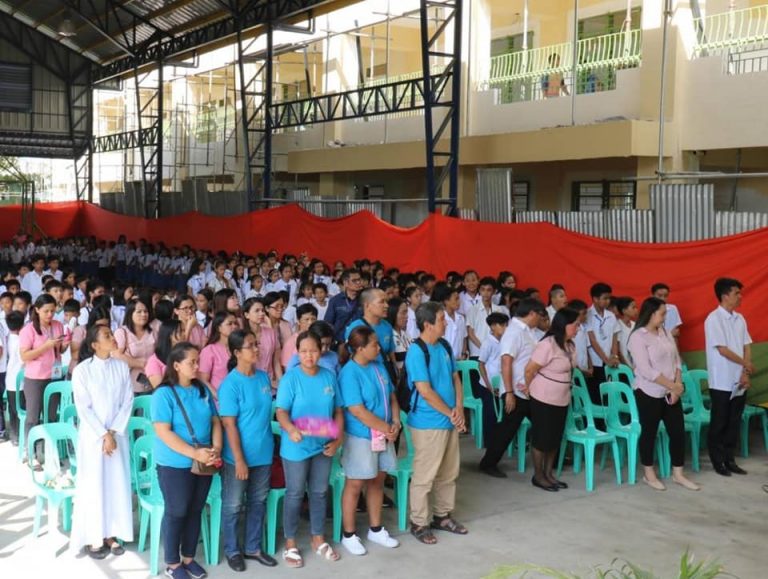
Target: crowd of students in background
215	338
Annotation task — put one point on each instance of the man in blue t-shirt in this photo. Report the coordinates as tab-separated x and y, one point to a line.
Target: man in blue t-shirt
374	304
435	419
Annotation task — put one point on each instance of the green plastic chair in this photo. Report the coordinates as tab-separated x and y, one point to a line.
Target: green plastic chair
150	499
621	401
336	482
750	412
521	438
622	373
21	413
696	415
474	405
586	438
402	475
275	500
69	416
138	426
142	406
210	528
62	388
55	436
498	401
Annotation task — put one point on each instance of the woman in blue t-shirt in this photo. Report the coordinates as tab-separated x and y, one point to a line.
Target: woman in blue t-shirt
307	391
372	424
245	405
183	491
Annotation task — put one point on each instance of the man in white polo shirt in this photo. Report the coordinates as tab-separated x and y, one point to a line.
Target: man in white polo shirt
673	321
601	332
517	345
729	367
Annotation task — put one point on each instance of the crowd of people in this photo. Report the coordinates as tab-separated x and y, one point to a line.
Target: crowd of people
227	344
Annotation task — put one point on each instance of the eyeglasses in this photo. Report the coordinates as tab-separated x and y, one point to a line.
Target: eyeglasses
277	307
186	309
356	280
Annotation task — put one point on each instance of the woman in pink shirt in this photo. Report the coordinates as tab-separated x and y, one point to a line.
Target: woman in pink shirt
658	387
135	344
168	336
266	338
40	345
215	356
548	379
184	310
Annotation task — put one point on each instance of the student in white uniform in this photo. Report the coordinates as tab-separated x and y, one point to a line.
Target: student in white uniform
477	328
581	341
103	395
471	295
603	345
673	321
627	308
729	368
455	324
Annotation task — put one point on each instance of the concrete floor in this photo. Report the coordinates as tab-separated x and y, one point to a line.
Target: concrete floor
510	522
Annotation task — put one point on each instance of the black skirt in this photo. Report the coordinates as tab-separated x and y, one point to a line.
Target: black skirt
548	424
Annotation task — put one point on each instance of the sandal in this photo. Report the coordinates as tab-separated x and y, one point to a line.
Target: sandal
292	558
423	534
446	523
327	552
115	547
99	553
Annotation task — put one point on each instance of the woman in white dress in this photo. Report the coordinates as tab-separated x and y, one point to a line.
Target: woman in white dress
103	395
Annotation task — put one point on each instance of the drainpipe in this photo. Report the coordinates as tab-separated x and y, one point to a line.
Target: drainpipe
666	15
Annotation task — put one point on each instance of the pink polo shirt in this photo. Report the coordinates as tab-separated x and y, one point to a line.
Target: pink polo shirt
213	361
154	367
552	383
41	367
268	344
653	355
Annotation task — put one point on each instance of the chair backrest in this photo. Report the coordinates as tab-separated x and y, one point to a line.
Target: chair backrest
622	373
61	387
406	433
582	407
692	397
465	367
142	406
578	378
139	426
143	465
276	429
621	400
68	415
60	444
19	381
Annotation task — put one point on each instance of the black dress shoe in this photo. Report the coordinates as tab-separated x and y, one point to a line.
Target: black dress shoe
262	558
493	471
236	563
735	468
548	488
721	469
560	484
99	553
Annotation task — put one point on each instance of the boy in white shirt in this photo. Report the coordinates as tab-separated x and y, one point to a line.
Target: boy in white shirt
490	351
603	344
15	321
672	321
581	341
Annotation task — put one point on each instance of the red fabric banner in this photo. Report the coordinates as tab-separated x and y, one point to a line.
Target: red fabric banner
539	254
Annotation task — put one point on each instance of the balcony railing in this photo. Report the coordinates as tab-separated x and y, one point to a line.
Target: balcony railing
525	75
733	31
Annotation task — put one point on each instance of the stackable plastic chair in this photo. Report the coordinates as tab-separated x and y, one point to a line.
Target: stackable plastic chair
142	406
64	389
750	412
622	373
275	500
150	498
621	402
474	405
402	475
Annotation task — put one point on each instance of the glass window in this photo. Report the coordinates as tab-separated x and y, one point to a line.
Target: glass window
599	195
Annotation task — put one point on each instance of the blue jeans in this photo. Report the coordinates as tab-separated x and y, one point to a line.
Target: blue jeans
184	494
254	491
311	475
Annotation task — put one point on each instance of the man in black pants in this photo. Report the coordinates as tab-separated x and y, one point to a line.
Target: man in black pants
729	367
517	345
603	345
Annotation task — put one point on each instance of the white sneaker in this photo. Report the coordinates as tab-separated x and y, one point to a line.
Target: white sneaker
382	538
354	545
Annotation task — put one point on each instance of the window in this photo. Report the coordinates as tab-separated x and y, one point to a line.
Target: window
510	44
607	23
15	87
521	194
599	195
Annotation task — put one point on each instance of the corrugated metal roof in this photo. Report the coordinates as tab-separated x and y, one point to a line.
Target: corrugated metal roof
110	29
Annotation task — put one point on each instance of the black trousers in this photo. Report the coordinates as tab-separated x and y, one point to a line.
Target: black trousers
652	411
489	407
503	432
724	424
593	387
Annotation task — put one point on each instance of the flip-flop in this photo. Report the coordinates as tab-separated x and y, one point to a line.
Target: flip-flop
293	558
327	552
448	524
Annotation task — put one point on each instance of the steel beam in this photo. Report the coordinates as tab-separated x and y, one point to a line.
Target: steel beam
441	68
254	14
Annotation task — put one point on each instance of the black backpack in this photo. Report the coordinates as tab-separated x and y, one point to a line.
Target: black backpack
408	398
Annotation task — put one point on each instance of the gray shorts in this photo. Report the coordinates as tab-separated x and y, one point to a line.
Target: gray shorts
361	463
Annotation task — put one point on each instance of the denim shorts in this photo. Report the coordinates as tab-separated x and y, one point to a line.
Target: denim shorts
361	463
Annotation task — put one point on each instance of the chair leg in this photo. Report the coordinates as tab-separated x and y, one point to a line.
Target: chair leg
522	436
695	445
272	502
589	464
616	460
578	450
213	554
39	503
154	542
479	428
402	500
66	516
764	423
632	443
561	457
143	526
205	531
338	489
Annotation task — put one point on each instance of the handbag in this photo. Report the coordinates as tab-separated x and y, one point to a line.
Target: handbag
198	468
